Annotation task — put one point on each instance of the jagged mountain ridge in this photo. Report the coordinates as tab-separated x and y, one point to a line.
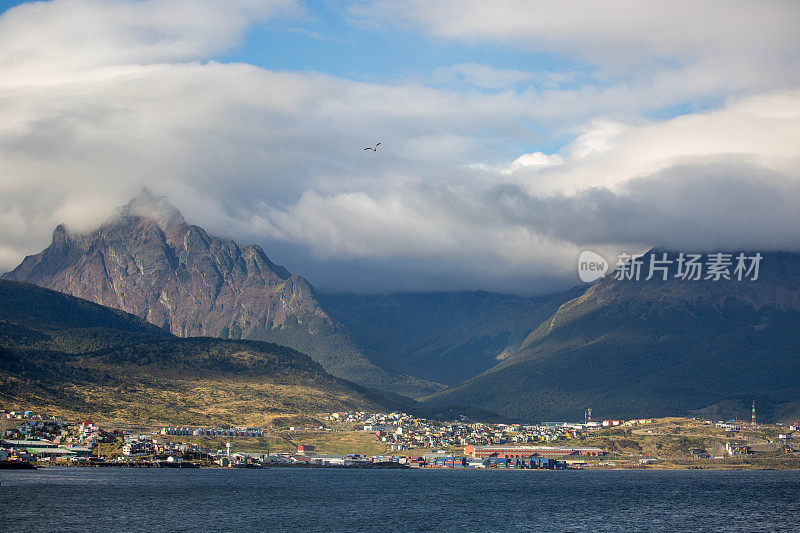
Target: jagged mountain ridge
140	248
146	260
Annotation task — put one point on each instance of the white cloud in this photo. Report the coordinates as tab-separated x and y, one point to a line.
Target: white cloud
616	32
103	98
760	129
63	40
634	56
534	161
728	178
596	138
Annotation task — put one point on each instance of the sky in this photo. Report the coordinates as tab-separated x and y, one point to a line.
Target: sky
514	134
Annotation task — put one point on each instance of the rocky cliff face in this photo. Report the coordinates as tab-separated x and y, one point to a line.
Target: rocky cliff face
146	260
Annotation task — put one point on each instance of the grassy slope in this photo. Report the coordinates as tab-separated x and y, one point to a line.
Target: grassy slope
672	440
76	358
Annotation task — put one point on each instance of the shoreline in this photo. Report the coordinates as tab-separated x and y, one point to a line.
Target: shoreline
17	465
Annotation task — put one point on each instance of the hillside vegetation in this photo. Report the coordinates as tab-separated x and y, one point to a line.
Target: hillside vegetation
76	358
632	349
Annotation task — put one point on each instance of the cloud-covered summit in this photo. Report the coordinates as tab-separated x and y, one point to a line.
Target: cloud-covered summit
618	135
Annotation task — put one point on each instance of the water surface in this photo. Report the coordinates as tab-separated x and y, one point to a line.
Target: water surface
286	499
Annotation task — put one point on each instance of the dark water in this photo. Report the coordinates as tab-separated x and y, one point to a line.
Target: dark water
90	499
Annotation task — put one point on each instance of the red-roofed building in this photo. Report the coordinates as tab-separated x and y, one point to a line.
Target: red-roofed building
521	452
304	449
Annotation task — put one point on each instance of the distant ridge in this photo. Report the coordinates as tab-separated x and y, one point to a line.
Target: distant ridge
629	348
446	337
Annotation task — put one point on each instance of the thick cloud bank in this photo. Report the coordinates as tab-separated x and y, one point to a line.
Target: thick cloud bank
98	99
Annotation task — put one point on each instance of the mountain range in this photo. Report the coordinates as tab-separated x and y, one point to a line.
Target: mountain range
630	348
625	348
146	260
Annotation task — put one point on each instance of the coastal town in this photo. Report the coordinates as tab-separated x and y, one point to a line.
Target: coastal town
394	440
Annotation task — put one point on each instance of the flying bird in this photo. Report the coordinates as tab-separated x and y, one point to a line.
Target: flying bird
375	149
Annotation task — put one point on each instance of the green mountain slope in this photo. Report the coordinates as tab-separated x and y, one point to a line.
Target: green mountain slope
656	348
75	357
441	337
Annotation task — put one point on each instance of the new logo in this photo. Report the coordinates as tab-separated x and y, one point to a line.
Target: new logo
591	266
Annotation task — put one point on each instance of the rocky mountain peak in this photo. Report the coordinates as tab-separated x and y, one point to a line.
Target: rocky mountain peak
62	238
146	260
